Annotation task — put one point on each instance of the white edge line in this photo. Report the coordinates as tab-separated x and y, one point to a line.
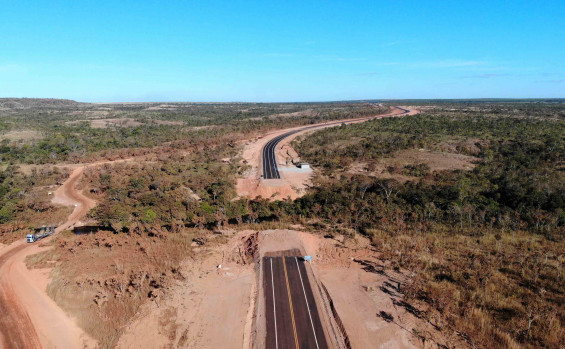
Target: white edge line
274	162
274	307
307	306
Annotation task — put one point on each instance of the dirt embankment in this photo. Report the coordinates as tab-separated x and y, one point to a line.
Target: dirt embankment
210	307
293	181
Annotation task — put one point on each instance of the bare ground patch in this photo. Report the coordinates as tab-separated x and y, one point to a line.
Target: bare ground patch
162	107
209	307
22	136
307	112
167	122
102	279
398	166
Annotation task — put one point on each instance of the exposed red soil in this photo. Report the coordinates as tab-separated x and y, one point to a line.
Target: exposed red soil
30	318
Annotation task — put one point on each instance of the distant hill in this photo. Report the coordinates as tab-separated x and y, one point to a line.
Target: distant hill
32	103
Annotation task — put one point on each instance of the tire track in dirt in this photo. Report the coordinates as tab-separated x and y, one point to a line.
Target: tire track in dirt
17	328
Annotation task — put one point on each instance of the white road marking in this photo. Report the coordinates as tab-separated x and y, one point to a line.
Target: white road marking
271	157
274	307
307	306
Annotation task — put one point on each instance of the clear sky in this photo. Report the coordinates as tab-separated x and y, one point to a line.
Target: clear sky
109	51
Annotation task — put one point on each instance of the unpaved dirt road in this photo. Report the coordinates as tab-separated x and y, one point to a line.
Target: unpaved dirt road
16	328
67	195
29	318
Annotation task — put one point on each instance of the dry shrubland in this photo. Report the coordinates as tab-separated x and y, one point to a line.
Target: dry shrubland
25	202
481	246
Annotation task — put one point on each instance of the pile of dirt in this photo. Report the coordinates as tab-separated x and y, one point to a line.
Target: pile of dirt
250	247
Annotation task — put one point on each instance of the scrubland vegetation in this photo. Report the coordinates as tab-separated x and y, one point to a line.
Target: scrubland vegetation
205	133
24	199
177	189
483	249
68	135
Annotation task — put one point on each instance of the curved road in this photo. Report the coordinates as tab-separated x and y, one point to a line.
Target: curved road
29	318
270	168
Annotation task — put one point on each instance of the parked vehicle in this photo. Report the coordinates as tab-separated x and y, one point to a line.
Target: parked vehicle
42	233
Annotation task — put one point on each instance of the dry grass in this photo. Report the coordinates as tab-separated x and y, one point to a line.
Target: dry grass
395	166
22	136
499	290
437	161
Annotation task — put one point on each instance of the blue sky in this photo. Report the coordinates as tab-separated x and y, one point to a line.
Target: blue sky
110	51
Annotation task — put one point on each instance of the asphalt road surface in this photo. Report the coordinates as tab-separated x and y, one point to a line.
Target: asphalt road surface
270	169
292	317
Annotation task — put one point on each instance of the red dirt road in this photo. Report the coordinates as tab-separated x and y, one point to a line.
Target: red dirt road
28	317
17	330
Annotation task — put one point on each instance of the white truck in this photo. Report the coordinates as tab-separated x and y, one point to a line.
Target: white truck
43	232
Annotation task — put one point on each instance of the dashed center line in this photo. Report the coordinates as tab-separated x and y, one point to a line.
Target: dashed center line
291	307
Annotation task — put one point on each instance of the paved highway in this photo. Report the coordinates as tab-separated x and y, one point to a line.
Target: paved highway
292	317
270	169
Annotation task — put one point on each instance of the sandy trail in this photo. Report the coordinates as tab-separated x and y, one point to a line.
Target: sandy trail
29	318
67	195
